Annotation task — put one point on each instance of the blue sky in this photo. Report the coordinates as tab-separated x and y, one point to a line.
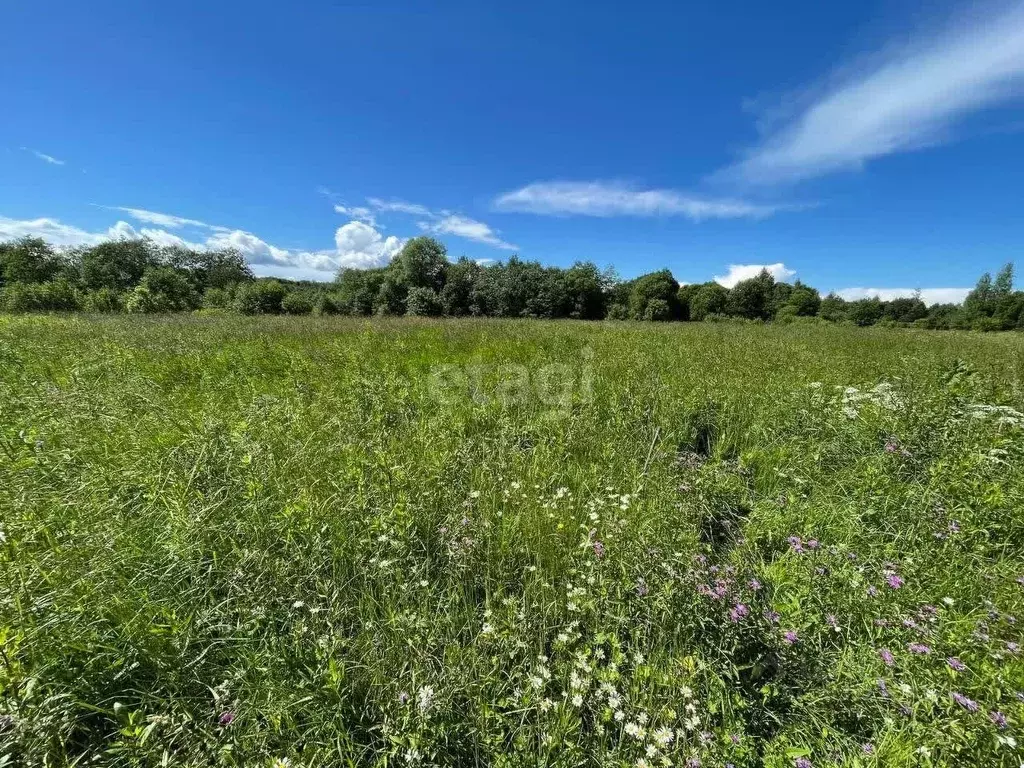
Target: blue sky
862	147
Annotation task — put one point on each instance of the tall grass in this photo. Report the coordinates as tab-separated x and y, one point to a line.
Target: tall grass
254	542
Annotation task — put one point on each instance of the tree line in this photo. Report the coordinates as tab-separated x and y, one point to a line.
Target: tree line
139	276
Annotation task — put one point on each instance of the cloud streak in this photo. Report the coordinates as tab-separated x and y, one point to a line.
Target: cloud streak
469	229
441	222
43	156
606	199
904	99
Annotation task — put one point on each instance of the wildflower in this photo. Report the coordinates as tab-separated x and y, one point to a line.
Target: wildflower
403	698
867	748
641	588
425	698
803	762
894	581
883	689
919	648
693	762
577	700
598	549
790	637
487	628
546	704
280	762
948	600
226	718
635	730
955	664
796	544
772	616
832	621
1013	647
1007	741
969	704
813	544
887	656
998	718
663	736
754	584
738	611
872	591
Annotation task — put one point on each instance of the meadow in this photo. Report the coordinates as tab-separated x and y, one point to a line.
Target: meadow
328	541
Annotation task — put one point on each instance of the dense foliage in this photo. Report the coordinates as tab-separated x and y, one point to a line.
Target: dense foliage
139	276
275	541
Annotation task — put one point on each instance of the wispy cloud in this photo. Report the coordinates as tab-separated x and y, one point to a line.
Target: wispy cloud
470	229
609	198
358	212
739	272
43	156
398	206
928	295
165	219
905	98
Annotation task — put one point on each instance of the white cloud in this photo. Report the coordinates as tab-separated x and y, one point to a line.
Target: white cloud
398	206
255	250
360	246
609	198
738	272
470	229
165	219
359	213
928	295
904	99
43	156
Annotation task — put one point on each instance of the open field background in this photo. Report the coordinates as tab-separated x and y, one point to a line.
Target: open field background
248	541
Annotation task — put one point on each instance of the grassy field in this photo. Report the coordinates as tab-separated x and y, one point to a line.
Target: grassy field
320	542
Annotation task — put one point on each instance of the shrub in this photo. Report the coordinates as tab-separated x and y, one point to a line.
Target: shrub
297	303
260	297
423	302
104	300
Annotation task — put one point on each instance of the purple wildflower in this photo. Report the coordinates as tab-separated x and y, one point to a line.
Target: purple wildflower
883	688
796	543
738	611
919	648
790	637
894	581
641	588
772	616
1013	647
887	657
734	738
872	591
226	718
998	718
969	704
403	698
803	762
954	526
813	544
867	748
955	663
891	445
693	762
754	584
598	549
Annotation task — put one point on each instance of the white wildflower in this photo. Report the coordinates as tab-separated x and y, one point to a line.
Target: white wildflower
425	698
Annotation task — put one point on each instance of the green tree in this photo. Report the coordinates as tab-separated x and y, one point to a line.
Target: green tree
297	302
457	294
422	263
753	298
28	260
708	299
865	311
833	308
806	301
423	302
117	264
660	285
162	289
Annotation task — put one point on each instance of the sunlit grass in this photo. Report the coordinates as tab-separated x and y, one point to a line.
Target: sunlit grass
229	541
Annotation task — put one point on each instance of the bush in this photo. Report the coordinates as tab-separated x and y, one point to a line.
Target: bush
297	303
216	298
423	302
261	297
104	300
